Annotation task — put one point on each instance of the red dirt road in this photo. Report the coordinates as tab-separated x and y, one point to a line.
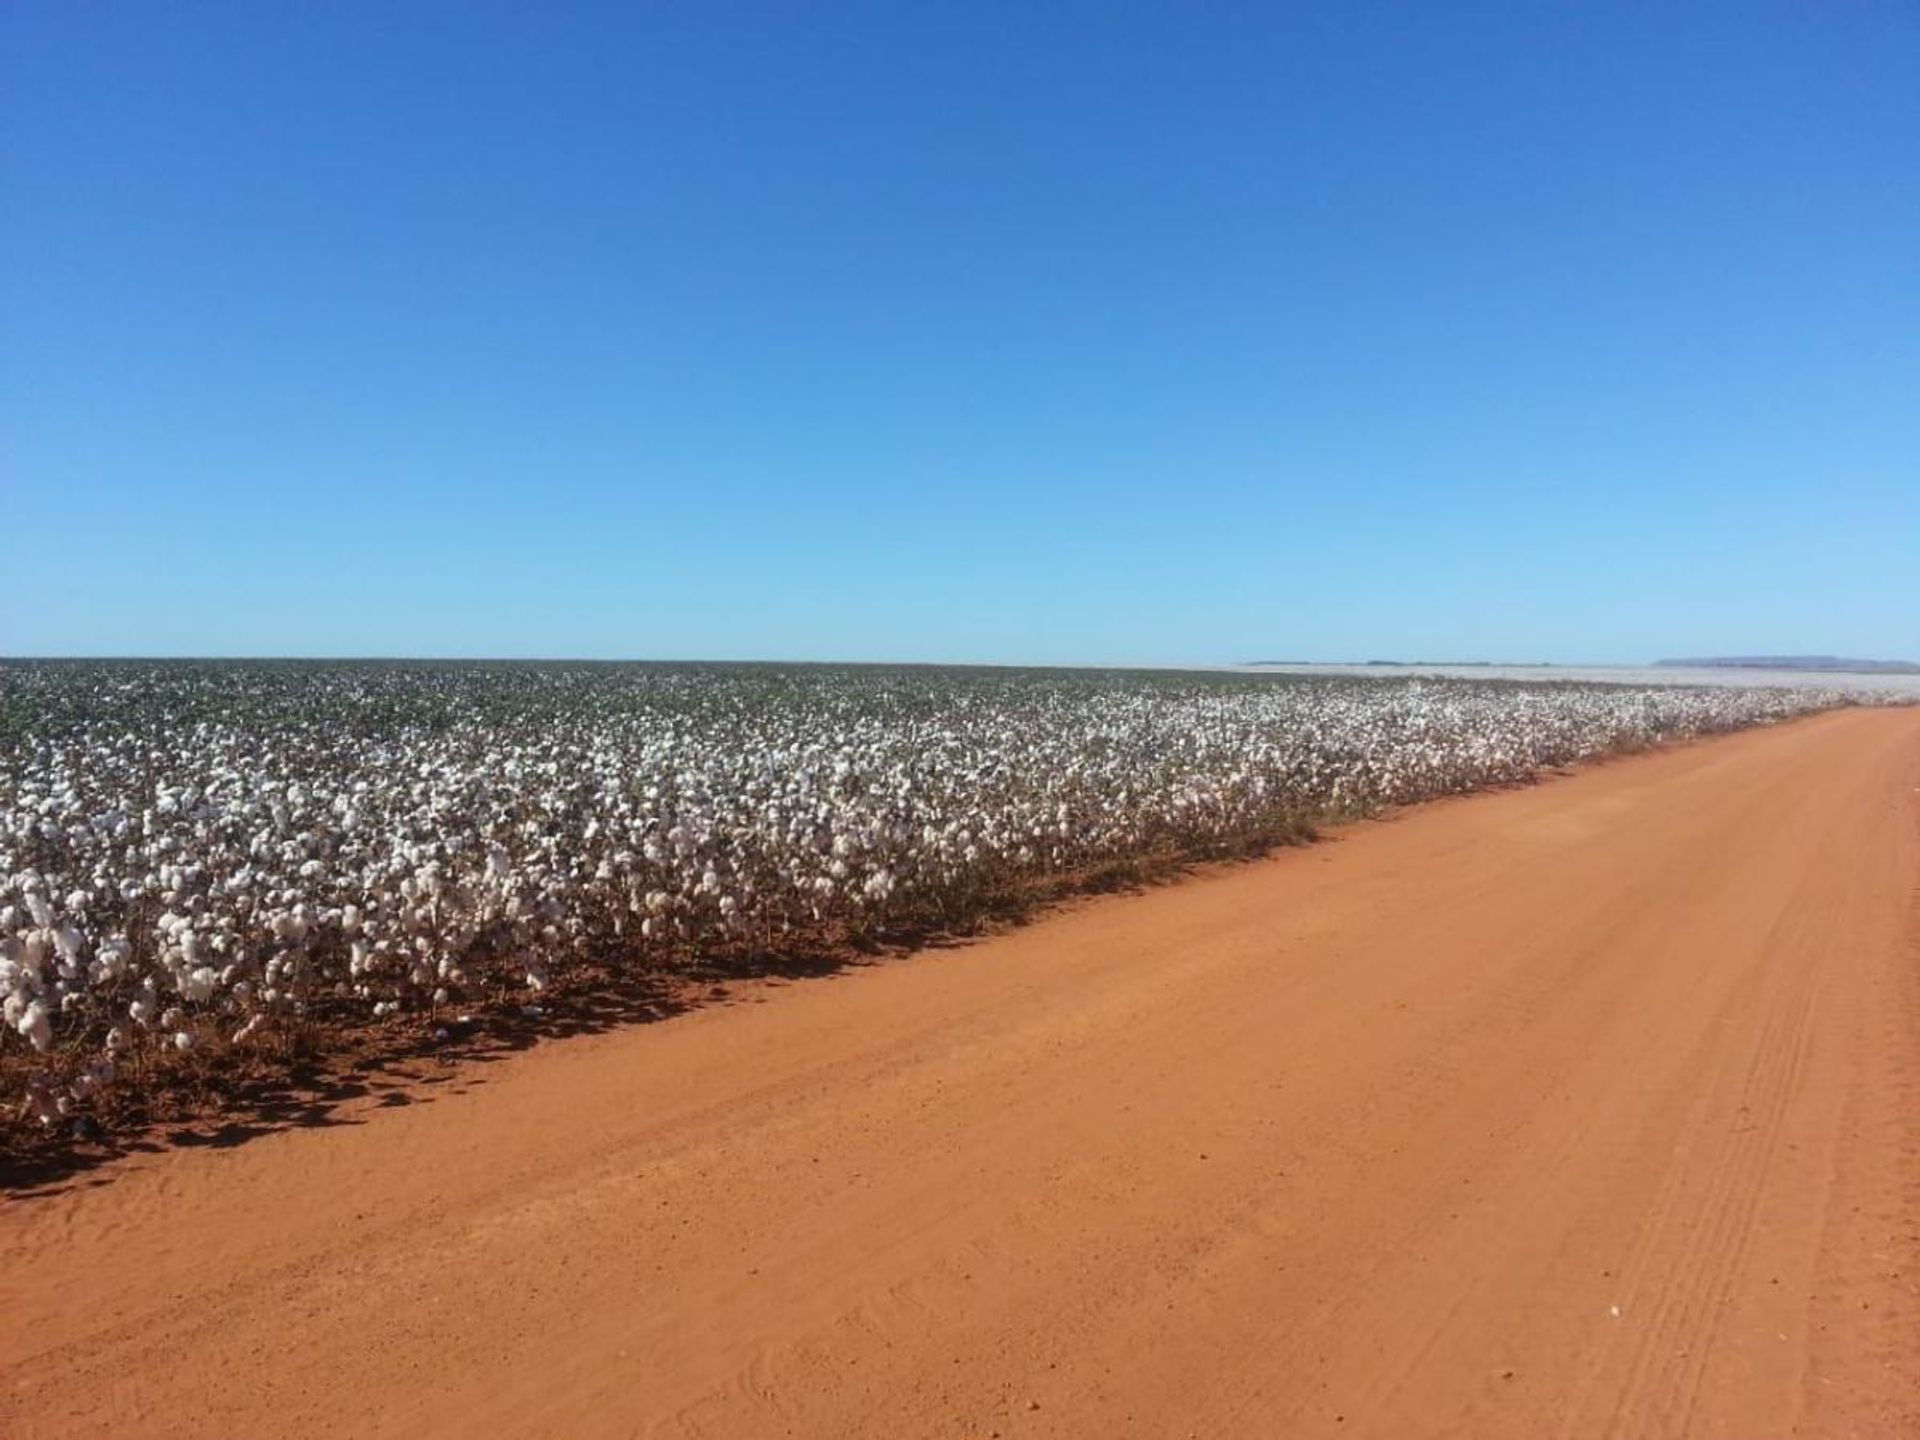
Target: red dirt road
1584	1110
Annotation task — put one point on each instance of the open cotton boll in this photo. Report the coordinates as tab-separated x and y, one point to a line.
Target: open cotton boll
68	941
113	954
37	1026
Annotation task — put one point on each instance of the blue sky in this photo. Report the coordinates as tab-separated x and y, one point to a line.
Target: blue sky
1081	333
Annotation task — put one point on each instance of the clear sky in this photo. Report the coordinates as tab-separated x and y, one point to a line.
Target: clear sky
1093	332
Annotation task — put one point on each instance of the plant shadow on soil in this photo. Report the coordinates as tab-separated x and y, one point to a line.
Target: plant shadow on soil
402	1066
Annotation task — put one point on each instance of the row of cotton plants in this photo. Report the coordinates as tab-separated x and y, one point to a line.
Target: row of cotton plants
198	855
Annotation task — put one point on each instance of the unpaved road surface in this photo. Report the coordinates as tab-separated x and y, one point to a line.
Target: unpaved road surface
1584	1110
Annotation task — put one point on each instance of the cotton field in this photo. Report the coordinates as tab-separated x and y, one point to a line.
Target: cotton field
219	855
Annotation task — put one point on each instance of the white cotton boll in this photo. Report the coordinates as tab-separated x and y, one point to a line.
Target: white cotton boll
38	907
198	986
37	1026
182	1040
116	1038
113	953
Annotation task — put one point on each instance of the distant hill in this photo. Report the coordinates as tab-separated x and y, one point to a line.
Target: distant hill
1799	662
